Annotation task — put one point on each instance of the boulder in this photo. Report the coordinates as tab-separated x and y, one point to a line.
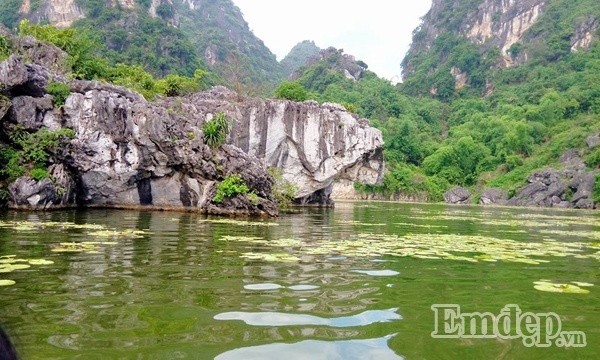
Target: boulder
593	141
457	195
493	197
47	193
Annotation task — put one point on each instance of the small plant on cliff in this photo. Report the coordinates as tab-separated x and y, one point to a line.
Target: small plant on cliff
230	186
5	48
283	190
216	130
291	90
59	91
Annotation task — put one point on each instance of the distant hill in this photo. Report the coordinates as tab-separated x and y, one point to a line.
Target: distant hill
299	56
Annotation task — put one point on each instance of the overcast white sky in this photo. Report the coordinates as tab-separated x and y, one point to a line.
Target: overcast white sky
375	31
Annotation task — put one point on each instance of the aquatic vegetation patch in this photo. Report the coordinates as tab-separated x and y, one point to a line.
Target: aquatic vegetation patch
10	263
276	257
358	223
421	225
128	233
573	288
569	220
95	230
468	248
91	247
519	223
586	234
239	222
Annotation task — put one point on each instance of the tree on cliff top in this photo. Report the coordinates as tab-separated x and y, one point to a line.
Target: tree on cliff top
291	90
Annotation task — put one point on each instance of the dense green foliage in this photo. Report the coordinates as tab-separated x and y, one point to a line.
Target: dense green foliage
291	90
31	152
86	62
215	130
132	36
495	130
230	186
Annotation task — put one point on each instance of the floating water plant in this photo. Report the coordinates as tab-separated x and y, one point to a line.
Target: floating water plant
422	225
10	263
89	247
587	234
95	230
4	282
572	288
468	248
40	262
238	222
276	257
358	223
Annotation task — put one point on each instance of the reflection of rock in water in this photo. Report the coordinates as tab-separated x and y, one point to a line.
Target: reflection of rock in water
316	350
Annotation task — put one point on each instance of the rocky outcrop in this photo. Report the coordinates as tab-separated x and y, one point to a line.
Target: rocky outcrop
568	188
128	152
487	23
593	141
585	32
458	195
503	23
60	13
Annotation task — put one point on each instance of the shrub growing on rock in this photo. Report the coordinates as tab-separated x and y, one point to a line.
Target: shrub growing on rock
230	186
216	130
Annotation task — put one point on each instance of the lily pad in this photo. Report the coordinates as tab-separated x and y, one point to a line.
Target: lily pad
4	282
13	267
40	262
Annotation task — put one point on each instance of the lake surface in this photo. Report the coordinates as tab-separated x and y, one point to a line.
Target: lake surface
354	282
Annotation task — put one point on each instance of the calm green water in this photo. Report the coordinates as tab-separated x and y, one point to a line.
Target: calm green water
190	289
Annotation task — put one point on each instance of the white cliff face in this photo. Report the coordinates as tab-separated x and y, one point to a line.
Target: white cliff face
584	34
506	21
313	144
62	13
